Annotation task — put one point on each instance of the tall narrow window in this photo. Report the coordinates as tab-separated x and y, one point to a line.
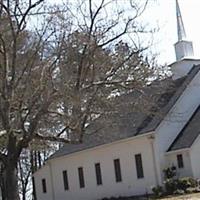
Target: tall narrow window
81	177
139	166
44	187
65	180
98	173
118	176
180	161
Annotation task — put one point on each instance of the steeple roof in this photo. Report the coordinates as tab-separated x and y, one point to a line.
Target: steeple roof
180	25
183	48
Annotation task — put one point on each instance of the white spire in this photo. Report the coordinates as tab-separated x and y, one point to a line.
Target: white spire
183	48
180	25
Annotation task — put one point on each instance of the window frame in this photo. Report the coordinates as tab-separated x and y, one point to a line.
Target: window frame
139	166
65	180
98	173
44	186
81	177
117	169
180	161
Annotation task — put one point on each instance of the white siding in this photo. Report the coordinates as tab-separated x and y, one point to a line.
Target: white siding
43	173
186	171
195	158
125	151
173	123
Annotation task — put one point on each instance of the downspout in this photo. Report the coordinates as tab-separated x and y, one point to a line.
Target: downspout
191	165
152	139
52	183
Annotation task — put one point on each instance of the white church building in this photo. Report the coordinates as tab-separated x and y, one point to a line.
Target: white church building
126	157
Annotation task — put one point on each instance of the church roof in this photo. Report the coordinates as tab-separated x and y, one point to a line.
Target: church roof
128	122
189	134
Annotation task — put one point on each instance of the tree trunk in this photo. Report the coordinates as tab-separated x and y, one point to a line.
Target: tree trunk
34	197
3	190
23	194
11	183
33	168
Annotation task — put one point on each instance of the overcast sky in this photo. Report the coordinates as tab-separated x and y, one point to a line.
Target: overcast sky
163	12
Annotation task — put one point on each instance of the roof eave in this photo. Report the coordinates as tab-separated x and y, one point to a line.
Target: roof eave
104	145
177	151
185	59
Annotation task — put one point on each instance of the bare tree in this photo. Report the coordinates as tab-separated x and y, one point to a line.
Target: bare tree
30	160
58	77
24	175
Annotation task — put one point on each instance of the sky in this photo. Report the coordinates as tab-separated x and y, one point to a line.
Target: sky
163	13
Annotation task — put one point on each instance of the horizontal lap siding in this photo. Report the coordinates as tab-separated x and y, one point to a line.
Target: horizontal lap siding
175	121
195	158
130	184
171	160
41	175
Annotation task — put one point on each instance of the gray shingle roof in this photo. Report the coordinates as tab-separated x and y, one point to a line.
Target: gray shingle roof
188	135
128	121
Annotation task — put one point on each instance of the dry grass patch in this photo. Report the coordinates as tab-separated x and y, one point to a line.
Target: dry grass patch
195	196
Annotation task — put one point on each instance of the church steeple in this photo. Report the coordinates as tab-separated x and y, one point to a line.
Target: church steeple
183	48
180	25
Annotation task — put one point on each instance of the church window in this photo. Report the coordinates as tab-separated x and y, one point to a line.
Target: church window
180	161
118	176
81	177
44	187
65	180
139	166
98	173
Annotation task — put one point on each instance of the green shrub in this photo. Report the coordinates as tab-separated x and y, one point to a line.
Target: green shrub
171	185
158	191
186	182
179	192
169	172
